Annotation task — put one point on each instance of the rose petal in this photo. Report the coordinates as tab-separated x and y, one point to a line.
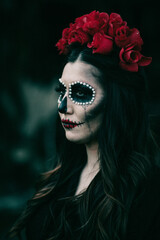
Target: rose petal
132	67
121	55
91	27
135	38
129	55
103	20
62	46
78	36
102	43
145	61
115	22
132	56
129	47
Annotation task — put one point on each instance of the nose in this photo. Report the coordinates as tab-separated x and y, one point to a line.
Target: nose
65	107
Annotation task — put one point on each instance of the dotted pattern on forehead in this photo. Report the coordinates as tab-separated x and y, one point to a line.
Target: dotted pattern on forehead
70	93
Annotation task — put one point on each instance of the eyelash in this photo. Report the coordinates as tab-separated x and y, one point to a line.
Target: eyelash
60	90
80	94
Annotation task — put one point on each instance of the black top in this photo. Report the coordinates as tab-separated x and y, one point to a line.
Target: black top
143	222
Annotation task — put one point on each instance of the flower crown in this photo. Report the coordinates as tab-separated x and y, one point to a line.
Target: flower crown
100	32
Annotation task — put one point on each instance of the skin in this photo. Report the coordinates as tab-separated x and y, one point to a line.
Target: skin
91	115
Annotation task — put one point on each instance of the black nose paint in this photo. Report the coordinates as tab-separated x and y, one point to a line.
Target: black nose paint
63	106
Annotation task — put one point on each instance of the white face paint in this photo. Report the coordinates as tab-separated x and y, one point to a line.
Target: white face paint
80	93
80	102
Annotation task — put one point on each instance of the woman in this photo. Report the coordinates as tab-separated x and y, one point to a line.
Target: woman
106	183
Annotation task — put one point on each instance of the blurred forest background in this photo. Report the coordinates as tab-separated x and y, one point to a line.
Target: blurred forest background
30	67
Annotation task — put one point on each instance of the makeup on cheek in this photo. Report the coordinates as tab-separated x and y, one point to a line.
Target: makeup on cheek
95	111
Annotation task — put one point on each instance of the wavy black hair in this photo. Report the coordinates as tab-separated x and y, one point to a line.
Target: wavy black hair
127	153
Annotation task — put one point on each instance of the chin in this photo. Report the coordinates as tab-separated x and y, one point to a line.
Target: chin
76	138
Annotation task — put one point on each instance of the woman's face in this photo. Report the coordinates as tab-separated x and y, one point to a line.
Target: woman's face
81	102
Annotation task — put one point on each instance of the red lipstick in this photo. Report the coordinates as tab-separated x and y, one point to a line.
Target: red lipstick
70	124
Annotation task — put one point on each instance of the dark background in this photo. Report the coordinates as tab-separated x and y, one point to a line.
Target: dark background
30	66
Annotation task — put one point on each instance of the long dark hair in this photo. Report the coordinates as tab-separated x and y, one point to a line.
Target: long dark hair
127	153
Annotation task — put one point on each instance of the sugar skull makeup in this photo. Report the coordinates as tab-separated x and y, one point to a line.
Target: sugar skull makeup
81	101
80	93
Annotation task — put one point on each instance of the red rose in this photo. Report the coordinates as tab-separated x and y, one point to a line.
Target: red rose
103	21
115	21
65	33
122	36
98	31
78	36
87	19
80	21
62	46
125	36
135	38
101	43
93	22
91	27
131	58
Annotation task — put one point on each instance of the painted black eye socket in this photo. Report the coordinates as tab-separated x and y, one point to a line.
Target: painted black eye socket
61	90
81	93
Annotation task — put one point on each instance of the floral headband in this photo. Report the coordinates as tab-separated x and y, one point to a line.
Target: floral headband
100	32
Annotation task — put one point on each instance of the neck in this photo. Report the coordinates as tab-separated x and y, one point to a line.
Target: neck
92	156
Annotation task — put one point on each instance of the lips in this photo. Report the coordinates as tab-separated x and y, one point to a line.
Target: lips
70	124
